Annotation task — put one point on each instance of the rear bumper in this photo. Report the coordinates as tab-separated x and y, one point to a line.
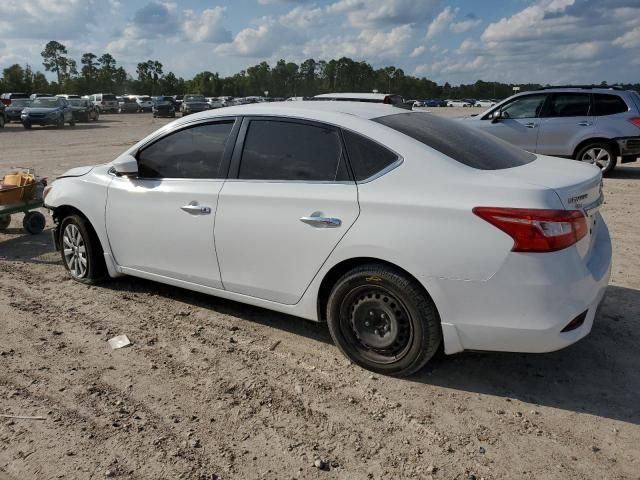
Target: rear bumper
525	306
629	146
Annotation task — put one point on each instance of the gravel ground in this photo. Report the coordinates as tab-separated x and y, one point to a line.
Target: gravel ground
215	389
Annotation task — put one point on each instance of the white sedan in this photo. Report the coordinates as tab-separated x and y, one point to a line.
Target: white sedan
402	230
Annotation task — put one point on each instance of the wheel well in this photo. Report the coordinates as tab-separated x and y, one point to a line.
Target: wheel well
608	141
338	270
65	210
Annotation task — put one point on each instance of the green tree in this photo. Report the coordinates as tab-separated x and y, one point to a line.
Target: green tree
54	60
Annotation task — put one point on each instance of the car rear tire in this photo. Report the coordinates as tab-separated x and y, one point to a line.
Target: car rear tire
26	125
1	121
34	222
72	123
600	154
60	123
381	319
80	249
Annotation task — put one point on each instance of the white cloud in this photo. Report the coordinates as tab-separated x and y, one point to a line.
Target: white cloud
464	25
417	51
206	26
441	22
631	39
304	17
381	13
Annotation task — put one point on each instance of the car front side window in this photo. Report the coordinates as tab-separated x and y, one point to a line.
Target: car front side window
529	106
284	150
194	152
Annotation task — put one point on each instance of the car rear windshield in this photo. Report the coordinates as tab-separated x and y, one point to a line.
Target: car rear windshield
44	102
467	145
109	97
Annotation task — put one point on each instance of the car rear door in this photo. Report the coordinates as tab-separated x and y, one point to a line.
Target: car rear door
161	221
517	122
566	122
287	203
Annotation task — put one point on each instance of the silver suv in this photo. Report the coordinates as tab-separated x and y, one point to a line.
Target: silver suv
597	125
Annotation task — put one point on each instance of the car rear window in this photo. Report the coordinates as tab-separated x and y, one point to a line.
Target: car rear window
467	145
608	104
108	97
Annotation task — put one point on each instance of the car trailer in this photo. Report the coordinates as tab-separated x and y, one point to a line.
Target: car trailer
23	199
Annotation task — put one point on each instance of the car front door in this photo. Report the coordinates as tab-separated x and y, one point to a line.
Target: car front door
287	203
517	122
161	221
566	122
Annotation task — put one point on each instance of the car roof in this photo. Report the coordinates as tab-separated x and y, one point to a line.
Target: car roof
364	96
575	89
306	109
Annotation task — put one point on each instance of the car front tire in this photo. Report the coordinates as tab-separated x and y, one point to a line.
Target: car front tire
383	320
80	249
600	154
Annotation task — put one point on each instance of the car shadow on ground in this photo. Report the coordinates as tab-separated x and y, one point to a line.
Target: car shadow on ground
625	173
600	375
17	245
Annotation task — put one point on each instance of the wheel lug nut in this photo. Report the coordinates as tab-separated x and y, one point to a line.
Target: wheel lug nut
371	314
366	324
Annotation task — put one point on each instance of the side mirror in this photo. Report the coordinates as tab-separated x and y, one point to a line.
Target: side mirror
126	166
497	116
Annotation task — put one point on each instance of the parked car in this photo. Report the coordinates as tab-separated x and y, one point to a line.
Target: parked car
458	103
14	110
214	102
193	104
595	125
177	101
426	232
435	102
83	110
127	105
386	98
163	107
3	116
47	111
145	104
33	96
484	103
7	98
105	102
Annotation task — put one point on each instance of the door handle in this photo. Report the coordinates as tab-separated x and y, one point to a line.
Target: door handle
531	125
318	221
585	124
195	209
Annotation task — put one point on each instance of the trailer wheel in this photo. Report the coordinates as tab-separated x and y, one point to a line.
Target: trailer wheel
34	222
5	220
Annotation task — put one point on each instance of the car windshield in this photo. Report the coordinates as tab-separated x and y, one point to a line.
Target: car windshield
144	99
76	102
466	145
20	103
194	98
129	100
43	102
109	97
162	102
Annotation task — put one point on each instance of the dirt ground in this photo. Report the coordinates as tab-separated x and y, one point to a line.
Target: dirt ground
215	389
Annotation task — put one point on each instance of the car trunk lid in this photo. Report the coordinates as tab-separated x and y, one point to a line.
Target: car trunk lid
578	185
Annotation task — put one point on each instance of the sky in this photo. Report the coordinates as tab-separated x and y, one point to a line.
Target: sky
455	41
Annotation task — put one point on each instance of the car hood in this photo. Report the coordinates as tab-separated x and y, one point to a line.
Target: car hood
40	110
14	108
77	172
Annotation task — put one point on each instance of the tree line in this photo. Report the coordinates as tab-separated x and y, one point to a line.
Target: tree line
284	79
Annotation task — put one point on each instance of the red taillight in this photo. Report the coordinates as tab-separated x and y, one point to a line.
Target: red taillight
635	121
537	230
387	100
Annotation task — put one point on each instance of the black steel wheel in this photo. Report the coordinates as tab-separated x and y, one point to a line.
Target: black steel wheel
383	320
34	222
